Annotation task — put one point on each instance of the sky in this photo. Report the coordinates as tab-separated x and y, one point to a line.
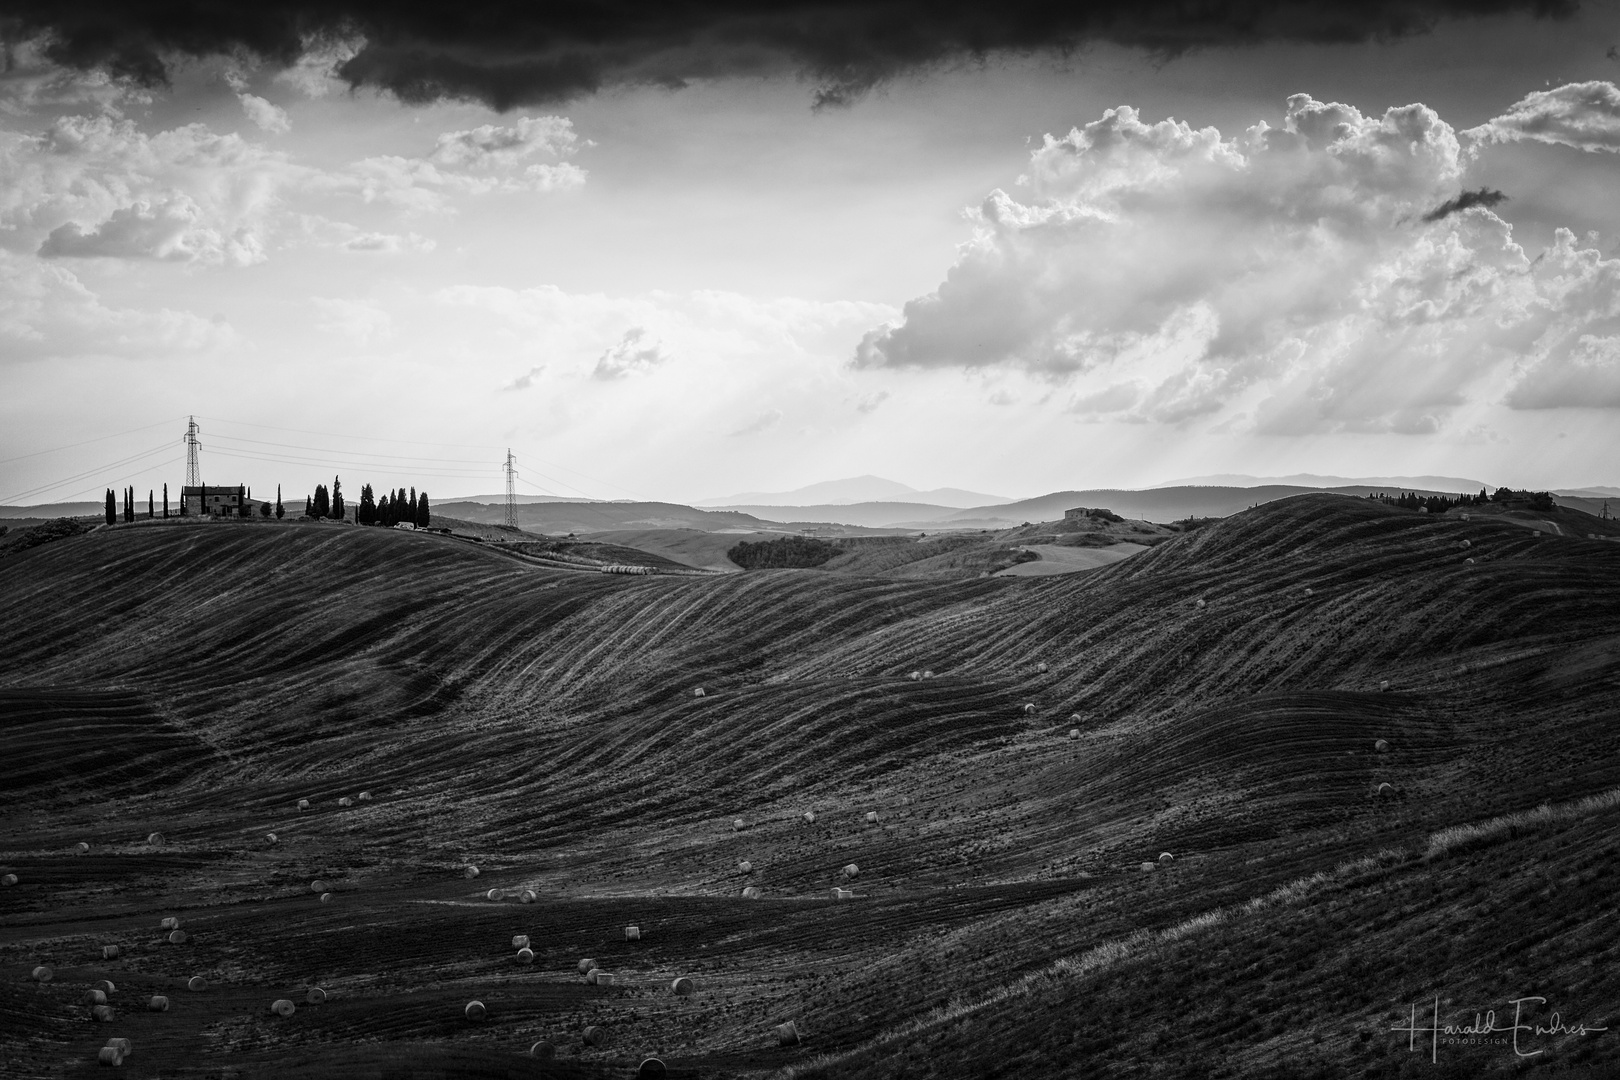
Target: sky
676	261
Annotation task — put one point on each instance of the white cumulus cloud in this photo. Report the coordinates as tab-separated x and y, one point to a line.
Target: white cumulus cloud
630	355
1584	115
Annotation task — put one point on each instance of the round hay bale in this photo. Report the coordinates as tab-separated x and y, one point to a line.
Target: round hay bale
543	1050
197	984
841	894
871	817
600	978
110	1055
95	997
494	894
1383	684
316	996
1385	789
594	1035
326	898
122	1044
270	838
364	796
520	941
103	1014
851	870
170	922
745	867
109	952
1468	562
82	848
1165	858
470	872
739	825
787	1034
586	965
1041	667
1028	709
42	973
303	804
651	1069
317	886
751	893
283	1007
177	937
106	986
345	801
1310	591
1381	746
1074	733
1465	543
682	986
1199	603
809	817
8	879
632	933
525	955
697	691
915	676
475	1011
527	896
158	1003
1465	517
927	674
155	839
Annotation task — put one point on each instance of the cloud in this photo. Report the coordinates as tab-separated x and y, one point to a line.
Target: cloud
1320	276
1486	197
764	422
387	243
526	380
271	119
870	402
507	56
172	229
629	356
1584	115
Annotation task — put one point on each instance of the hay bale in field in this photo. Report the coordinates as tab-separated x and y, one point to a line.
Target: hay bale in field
109	952
841	894
787	1034
585	966
915	676
475	1011
103	1014
1074	733
927	674
197	984
470	872
158	1003
751	893
106	986
525	955
177	937
170	922
1383	684
1468	562
494	894
594	1035
303	804
270	838
316	996
651	1069
317	886
600	978
1028	709
8	879
1165	858
326	898
95	997
850	870
527	896
682	986
345	801
632	933
283	1007
1199	603
871	817
155	839
745	867
1465	543
122	1044
1309	591
1041	667
364	796
82	848
42	973
110	1055
520	941
1381	746
1384	789
697	691
739	825
543	1050
809	817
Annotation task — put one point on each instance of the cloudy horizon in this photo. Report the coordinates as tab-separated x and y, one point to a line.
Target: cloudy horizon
1098	258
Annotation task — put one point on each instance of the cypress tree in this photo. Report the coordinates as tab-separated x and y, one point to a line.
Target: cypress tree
112	508
387	508
129	503
337	499
165	500
280	510
323	501
367	514
309	506
241	500
422	518
150	510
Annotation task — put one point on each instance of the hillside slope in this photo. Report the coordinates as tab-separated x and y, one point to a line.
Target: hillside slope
1217	697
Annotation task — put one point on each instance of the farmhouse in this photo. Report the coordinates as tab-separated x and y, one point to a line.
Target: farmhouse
209	501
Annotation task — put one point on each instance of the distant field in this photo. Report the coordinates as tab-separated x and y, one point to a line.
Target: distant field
1057	559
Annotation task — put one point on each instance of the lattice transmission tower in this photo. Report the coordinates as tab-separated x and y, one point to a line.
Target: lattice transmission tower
511	491
193	469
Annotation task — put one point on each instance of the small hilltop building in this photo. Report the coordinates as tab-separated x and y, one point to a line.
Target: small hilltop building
208	501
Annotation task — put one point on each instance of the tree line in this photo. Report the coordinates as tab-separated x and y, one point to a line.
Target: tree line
1539	501
394	508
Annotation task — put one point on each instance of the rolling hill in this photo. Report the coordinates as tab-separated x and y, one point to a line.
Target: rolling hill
1219	697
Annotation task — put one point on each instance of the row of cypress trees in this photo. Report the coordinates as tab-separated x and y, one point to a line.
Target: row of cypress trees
128	512
394	508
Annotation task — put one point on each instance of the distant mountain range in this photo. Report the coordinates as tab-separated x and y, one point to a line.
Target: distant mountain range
1453	484
858	489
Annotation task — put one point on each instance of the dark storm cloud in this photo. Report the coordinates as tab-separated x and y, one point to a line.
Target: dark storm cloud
1486	197
507	54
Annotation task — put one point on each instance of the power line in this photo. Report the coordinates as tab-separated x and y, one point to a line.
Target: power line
76	477
87	442
328	462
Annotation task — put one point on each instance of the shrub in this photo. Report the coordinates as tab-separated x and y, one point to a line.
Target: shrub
788	552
